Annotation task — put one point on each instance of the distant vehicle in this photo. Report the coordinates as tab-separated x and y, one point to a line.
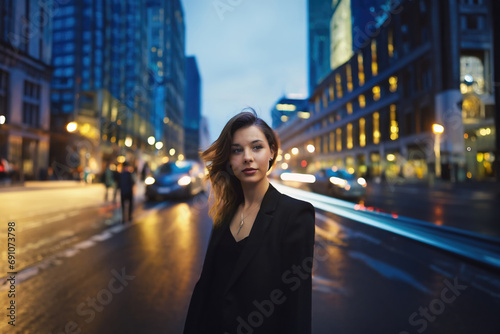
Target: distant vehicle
338	182
179	179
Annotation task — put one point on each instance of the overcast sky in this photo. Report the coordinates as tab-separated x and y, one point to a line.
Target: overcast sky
249	54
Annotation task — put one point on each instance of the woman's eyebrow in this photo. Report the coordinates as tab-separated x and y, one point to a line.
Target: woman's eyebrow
253	142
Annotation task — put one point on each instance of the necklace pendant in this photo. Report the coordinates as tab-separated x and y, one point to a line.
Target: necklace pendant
239	229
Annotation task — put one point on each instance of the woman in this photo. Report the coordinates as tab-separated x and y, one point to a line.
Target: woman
256	277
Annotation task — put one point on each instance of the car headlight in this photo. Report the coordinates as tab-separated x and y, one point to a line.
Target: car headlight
149	180
362	181
338	181
184	181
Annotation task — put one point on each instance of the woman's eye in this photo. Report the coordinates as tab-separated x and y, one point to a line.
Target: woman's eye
258	147
236	150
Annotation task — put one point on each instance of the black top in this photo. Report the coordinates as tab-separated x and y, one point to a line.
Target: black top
226	256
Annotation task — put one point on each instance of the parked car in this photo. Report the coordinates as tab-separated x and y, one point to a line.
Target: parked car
179	179
338	182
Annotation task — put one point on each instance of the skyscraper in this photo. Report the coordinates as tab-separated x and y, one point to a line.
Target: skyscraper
100	83
166	45
319	16
192	116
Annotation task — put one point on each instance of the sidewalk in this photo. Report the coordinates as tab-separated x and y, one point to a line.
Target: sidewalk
139	194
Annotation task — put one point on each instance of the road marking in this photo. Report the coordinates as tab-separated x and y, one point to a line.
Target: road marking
55	259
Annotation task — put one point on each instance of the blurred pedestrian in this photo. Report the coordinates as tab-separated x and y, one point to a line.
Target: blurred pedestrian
145	171
260	254
108	180
127	182
116	179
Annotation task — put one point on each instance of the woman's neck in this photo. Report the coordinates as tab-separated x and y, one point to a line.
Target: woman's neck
254	193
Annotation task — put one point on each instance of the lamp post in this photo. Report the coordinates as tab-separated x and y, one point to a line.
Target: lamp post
438	130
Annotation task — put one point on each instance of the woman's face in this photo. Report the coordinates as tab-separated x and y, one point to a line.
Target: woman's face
250	154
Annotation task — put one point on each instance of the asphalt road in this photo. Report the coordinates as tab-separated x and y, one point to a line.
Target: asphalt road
138	279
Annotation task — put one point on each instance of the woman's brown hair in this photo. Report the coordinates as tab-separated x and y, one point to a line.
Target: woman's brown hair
226	188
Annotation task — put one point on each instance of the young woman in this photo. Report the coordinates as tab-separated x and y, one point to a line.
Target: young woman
256	277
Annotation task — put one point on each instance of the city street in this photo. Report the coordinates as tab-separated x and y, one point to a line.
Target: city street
85	271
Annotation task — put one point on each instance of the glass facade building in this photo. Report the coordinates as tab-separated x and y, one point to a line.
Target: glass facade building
192	116
108	80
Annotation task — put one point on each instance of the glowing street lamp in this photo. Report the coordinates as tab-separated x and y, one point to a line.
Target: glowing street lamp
71	127
438	129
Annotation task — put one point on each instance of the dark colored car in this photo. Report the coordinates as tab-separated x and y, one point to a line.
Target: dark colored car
339	183
179	179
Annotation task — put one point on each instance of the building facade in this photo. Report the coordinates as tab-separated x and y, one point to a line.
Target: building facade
427	62
192	116
98	84
25	53
319	14
167	58
288	108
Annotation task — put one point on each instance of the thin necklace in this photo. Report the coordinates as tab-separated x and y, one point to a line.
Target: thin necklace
243	219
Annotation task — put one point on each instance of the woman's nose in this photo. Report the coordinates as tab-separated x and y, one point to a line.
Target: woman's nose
247	155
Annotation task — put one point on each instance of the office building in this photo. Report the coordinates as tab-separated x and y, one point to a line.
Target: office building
25	53
428	62
287	108
192	116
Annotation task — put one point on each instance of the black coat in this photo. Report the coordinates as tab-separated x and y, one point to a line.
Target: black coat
269	291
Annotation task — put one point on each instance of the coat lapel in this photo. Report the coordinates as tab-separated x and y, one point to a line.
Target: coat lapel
260	225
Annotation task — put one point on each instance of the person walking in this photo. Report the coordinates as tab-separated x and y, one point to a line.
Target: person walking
116	179
127	182
108	179
256	277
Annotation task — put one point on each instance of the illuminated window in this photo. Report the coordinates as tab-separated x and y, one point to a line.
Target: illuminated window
325	101
390	43
394	123
376	93
332	95
339	140
349	136
339	85
393	84
317	104
376	128
349	108
361	70
331	119
325	144
332	141
362	101
349	77
318	143
362	135
374	58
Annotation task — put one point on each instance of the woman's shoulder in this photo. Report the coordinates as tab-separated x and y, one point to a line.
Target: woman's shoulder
294	203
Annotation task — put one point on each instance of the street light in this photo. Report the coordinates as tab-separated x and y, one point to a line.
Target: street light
71	126
438	129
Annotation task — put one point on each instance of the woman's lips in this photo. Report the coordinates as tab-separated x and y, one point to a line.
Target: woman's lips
249	171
